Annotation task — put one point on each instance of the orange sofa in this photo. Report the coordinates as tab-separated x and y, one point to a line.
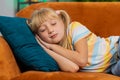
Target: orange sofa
102	18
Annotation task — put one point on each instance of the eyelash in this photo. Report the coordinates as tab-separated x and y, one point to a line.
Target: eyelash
42	30
54	24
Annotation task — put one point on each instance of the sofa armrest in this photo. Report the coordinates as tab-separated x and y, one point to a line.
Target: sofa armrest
8	65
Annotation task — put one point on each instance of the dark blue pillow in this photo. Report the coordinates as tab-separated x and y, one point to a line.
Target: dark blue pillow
24	45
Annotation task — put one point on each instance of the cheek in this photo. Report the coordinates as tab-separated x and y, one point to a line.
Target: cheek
61	29
43	36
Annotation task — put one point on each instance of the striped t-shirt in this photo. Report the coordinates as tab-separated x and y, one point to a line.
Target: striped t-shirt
100	50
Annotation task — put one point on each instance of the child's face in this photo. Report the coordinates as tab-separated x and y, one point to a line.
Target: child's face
52	31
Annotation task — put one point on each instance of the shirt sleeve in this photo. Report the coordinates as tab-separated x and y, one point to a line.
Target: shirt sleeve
77	31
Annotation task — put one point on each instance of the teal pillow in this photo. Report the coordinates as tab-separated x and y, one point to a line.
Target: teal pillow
29	54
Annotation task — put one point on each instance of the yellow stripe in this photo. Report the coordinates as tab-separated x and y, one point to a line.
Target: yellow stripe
107	57
91	42
74	25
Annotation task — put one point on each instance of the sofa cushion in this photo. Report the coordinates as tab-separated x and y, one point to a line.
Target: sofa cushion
4	78
37	75
27	51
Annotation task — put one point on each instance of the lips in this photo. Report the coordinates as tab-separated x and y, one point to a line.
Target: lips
53	36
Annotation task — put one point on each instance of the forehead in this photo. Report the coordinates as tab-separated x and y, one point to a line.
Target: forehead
49	19
42	18
52	19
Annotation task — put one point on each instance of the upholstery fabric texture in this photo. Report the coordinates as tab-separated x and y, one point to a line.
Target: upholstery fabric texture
36	75
24	45
99	17
8	65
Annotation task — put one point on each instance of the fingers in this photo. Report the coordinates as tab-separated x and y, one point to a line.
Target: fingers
38	40
45	44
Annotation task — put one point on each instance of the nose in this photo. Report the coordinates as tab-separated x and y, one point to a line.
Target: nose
50	30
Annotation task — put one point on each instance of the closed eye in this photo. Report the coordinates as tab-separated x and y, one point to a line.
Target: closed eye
42	30
53	24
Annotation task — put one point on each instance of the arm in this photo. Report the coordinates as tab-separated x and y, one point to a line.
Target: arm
64	63
79	56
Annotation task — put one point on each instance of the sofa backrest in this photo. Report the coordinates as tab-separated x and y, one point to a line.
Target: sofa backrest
102	18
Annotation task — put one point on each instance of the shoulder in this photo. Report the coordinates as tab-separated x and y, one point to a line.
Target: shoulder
75	24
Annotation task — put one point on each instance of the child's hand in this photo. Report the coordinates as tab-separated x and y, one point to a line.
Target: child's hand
43	43
37	38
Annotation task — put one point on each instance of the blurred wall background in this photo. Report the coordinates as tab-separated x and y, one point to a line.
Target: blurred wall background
7	7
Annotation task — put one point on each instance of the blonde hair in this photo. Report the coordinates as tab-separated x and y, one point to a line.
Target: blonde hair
40	16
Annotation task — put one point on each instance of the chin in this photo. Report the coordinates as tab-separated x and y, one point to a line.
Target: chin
55	42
